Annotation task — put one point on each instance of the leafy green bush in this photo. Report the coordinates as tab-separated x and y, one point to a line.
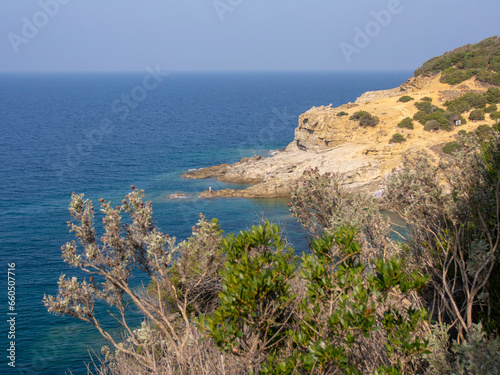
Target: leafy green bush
365	118
452	147
342	113
426	99
434	118
493	95
490	109
406	123
397	138
254	309
405	99
476	115
495	116
347	302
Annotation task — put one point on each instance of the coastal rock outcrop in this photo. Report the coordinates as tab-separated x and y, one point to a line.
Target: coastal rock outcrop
326	138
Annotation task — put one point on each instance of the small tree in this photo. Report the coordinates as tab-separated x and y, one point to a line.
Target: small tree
137	245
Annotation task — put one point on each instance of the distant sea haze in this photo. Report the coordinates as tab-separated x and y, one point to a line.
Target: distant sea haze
57	138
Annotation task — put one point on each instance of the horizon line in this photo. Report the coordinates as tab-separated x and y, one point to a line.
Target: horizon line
204	71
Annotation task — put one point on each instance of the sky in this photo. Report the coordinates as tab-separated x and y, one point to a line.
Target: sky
236	35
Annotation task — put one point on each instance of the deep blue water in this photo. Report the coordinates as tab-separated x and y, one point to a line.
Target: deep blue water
70	132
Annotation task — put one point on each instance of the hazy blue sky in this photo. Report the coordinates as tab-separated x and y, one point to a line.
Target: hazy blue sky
127	35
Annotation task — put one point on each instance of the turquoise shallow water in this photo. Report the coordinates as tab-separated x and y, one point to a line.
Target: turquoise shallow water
56	138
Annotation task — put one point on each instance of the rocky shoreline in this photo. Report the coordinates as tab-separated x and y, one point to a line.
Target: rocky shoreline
328	140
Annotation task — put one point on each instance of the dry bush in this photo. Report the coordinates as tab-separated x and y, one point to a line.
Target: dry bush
321	202
182	281
452	213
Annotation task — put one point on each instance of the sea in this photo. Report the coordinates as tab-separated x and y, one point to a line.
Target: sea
100	133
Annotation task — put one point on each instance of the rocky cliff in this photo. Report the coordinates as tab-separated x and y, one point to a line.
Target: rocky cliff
326	138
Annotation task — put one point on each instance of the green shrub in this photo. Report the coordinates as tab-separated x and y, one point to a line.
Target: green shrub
435	118
406	123
467	102
489	77
344	295
477	115
453	76
490	109
452	147
426	99
493	95
462	132
405	99
256	297
495	116
342	113
397	138
365	118
425	106
479	354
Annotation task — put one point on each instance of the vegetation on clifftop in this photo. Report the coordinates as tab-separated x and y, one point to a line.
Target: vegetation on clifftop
481	60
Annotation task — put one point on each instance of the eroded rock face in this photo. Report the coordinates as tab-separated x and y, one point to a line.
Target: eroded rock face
323	128
363	156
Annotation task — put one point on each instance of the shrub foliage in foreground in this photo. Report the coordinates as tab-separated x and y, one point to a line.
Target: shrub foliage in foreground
358	303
